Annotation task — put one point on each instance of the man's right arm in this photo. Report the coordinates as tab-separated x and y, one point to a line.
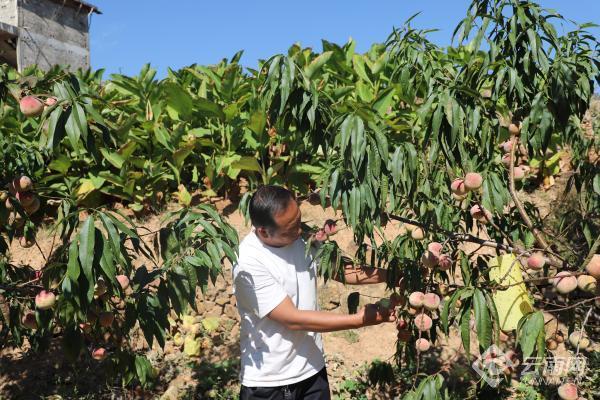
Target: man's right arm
289	316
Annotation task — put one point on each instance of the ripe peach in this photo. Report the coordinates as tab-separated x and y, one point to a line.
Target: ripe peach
8	204
506	160
31	106
514	129
45	300
429	259
26	242
576	338
435	248
559	337
551	344
459	197
568	391
320	236
33	207
423	322
416	299
593	267
564	282
50	101
519	173
431	301
445	262
330	227
86	327
506	146
25	198
123	281
422	345
458	187
473	180
22	183
587	283
418	234
480	214
29	321
99	354
410	227
106	319
536	261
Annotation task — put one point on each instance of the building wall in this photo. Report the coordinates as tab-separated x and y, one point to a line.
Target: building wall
51	33
8	12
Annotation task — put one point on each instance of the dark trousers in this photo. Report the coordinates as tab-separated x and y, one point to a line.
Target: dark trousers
314	388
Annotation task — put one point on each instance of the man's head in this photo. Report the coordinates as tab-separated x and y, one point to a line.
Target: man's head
275	216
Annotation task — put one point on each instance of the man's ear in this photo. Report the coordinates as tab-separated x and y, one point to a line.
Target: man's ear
262	232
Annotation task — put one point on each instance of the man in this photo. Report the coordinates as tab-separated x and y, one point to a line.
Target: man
275	285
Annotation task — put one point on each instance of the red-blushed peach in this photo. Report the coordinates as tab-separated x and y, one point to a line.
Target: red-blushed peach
536	261
568	391
25	198
422	345
473	180
416	299
519	174
320	236
431	301
564	282
22	183
29	321
445	262
123	281
99	354
45	300
480	214
423	322
435	248
31	106
458	187
330	227
429	259
593	267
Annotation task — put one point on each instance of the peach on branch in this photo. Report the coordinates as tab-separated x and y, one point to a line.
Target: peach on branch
435	248
551	344
31	106
431	301
519	173
33	207
473	181
45	300
559	337
579	338
50	101
568	391
418	234
422	345
593	267
506	146
458	187
25	198
445	262
423	322
123	281
536	261
429	259
514	129
330	227
320	235
99	354
506	160
416	299
564	282
480	214
587	283
29	321
459	197
22	183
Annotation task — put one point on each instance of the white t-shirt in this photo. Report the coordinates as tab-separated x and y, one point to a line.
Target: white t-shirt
271	354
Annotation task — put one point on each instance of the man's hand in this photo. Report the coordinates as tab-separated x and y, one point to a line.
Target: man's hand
374	314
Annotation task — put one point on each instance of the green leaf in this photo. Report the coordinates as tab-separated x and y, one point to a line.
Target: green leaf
531	326
113	158
483	320
73	268
247	163
317	64
86	246
179	102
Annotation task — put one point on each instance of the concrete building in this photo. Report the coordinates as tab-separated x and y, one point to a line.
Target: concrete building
45	32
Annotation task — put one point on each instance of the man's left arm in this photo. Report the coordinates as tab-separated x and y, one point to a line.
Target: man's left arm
364	275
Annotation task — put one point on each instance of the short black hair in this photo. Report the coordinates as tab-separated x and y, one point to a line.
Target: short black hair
267	201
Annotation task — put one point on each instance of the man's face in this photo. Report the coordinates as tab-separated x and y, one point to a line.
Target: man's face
288	228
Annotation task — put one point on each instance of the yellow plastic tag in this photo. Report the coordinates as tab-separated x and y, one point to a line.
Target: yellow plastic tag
514	302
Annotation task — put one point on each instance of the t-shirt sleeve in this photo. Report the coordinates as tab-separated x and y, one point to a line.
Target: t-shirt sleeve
257	290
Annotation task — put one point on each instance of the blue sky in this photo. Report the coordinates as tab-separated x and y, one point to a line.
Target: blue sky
174	34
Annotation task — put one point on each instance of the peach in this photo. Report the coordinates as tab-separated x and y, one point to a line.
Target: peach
45	300
320	236
422	345
506	146
410	227
564	282
459	197
25	198
31	106
330	227
551	344
418	234
519	174
416	299
431	301
458	187
473	180
559	337
423	322
99	354
445	262
568	391
106	319
514	129
85	327
577	338
401	324
22	183
8	204
29	321
123	281
429	259
33	207
26	242
480	214
536	261
593	267
50	101
506	160
435	248
587	283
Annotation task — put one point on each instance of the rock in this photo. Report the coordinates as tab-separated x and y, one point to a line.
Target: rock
235	332
231	312
232	300
170	394
222	299
191	346
329	297
210	324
